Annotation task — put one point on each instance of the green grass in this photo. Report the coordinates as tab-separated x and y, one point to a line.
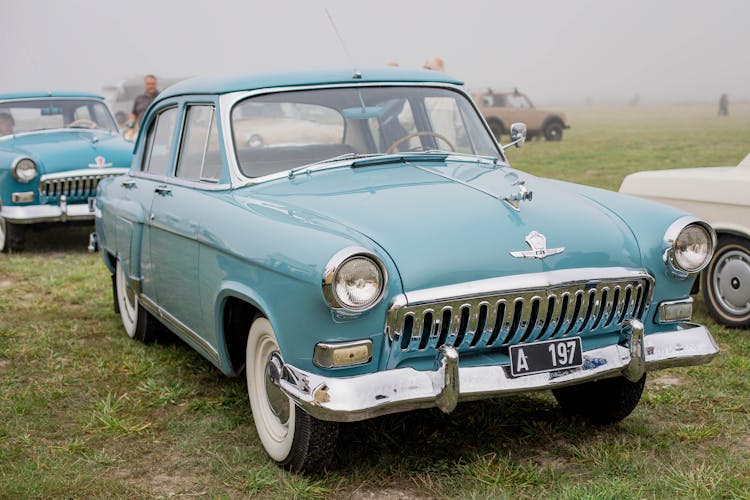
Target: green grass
84	411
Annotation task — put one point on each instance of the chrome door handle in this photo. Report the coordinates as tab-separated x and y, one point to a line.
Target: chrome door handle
128	184
162	190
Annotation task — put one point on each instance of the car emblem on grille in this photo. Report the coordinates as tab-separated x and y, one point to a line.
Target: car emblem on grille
99	162
538	243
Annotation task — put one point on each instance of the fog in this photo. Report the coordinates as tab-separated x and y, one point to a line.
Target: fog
671	50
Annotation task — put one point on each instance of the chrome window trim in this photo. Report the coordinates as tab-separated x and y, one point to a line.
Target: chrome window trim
670	236
332	267
197	184
229	100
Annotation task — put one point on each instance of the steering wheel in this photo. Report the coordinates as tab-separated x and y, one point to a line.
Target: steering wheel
82	123
392	148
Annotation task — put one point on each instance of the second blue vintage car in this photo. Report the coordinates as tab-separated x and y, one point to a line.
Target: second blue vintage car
358	245
54	149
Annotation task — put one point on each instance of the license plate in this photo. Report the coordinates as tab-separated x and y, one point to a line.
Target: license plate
547	356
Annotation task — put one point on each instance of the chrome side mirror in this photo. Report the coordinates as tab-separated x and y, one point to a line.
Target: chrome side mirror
517	135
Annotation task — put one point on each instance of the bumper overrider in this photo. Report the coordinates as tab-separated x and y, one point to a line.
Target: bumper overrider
361	397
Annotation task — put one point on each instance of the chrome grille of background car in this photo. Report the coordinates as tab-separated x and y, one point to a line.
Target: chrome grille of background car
505	318
74	186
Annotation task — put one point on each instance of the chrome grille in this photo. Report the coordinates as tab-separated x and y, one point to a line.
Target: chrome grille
509	316
74	184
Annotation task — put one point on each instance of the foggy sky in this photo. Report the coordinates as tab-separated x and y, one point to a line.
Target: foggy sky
671	50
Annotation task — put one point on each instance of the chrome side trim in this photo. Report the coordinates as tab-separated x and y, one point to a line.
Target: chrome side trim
361	397
181	328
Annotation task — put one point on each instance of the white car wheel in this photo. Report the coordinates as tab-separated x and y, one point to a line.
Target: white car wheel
128	302
726	282
273	411
290	436
2	234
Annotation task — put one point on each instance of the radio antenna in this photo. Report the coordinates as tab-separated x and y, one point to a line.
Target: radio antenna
357	74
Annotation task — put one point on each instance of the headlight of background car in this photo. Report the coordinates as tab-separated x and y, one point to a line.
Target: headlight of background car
691	246
354	279
24	170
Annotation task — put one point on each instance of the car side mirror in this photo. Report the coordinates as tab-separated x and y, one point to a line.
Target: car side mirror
517	135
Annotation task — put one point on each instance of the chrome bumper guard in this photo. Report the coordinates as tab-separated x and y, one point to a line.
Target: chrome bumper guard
32	214
365	396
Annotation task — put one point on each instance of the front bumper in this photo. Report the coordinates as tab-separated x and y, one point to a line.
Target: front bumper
366	396
32	214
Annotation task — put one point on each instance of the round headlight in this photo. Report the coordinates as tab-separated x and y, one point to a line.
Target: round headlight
24	170
692	248
354	279
689	244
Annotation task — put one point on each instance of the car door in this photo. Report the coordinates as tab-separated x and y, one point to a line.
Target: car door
176	218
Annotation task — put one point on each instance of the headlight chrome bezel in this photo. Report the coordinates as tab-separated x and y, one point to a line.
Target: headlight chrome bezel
670	241
14	169
336	263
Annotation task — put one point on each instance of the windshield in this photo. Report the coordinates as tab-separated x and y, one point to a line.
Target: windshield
277	132
19	116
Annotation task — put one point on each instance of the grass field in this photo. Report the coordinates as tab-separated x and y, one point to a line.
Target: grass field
84	411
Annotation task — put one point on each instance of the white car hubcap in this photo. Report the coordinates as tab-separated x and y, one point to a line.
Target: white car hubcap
731	282
273	411
127	301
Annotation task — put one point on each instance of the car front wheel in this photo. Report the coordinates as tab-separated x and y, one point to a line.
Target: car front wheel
601	402
291	437
11	236
553	131
726	282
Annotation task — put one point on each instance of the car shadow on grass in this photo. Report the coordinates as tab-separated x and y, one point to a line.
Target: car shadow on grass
68	237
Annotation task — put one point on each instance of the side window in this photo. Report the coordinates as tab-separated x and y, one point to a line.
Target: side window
159	143
200	157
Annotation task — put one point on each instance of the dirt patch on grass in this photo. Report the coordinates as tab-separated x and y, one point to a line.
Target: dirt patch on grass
5	284
391	493
666	381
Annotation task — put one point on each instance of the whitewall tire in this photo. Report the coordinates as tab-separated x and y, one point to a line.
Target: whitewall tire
128	302
291	437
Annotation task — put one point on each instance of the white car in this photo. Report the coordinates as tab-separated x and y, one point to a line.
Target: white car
721	196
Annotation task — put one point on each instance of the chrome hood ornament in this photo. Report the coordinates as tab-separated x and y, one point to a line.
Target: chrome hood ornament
538	244
521	194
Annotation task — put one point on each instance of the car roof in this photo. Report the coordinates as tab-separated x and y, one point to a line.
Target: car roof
47	93
254	81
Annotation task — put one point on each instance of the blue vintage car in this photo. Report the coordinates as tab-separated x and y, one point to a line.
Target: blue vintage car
359	245
54	149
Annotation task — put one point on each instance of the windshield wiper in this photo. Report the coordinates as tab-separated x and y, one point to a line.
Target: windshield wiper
345	156
493	159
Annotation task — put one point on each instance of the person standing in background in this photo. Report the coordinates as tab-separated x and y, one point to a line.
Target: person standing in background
435	64
724	105
143	101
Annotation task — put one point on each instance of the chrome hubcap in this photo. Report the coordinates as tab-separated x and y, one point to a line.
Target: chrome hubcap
731	282
277	400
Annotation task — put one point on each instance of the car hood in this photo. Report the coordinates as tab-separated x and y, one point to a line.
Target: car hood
70	149
441	230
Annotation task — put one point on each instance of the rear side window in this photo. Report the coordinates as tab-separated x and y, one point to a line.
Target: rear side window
159	143
200	157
